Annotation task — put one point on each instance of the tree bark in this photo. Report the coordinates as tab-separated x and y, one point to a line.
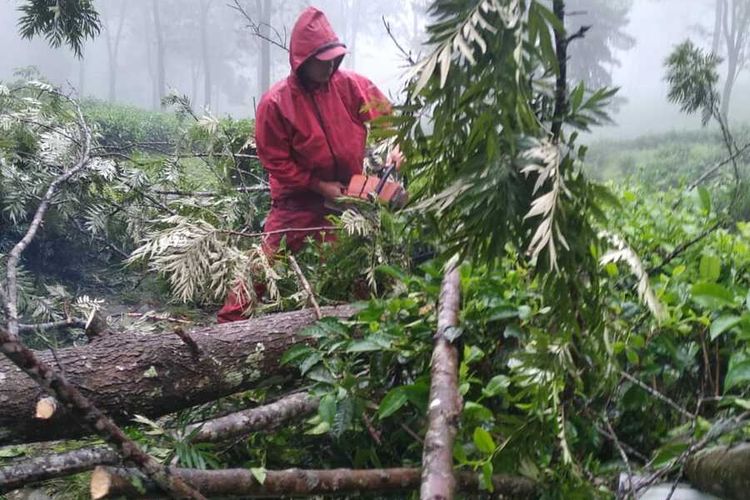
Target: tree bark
113	483
721	471
264	417
153	375
56	384
444	411
295	406
37	469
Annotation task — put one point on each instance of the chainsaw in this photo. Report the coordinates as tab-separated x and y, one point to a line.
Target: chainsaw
374	188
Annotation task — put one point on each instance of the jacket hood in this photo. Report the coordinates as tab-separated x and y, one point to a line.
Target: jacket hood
311	35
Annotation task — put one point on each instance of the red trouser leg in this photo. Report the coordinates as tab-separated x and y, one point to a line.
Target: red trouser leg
238	300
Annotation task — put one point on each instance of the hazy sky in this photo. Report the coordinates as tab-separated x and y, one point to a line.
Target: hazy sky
657	26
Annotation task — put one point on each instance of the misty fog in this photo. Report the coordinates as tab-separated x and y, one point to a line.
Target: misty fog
121	64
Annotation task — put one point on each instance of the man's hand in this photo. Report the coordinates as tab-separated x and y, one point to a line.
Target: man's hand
330	190
395	157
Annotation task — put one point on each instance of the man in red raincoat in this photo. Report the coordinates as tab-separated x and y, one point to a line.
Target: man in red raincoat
310	134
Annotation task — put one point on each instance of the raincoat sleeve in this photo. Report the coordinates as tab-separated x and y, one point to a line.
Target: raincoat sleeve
369	102
274	148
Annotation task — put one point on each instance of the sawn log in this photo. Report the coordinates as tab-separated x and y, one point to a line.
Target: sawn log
153	374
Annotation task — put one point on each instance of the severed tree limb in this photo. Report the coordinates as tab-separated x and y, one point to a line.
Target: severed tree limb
45	467
266	417
154	375
109	482
52	325
10	295
445	404
84	411
722	471
263	417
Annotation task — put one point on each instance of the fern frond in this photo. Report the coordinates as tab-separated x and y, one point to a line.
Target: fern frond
544	161
623	253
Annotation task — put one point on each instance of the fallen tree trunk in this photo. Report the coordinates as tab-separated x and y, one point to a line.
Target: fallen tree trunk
33	470
722	471
229	426
444	412
152	375
109	482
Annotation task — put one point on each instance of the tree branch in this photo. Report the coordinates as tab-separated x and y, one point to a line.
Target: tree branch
57	386
113	483
10	300
444	413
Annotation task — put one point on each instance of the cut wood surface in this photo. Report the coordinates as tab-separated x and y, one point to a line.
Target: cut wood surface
32	470
294	406
444	411
153	374
108	482
723	471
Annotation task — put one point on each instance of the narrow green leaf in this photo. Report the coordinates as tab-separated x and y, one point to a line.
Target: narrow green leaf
739	371
710	267
722	324
483	441
712	295
705	198
392	402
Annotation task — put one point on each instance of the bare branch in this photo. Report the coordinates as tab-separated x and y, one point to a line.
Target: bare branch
257	28
10	302
306	286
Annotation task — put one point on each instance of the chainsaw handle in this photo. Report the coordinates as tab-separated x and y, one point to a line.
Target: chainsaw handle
381	183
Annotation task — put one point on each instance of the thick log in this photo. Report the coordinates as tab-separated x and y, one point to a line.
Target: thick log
152	375
722	471
295	406
37	469
54	383
444	411
109	482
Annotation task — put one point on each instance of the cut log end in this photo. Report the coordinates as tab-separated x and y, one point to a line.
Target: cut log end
45	408
101	483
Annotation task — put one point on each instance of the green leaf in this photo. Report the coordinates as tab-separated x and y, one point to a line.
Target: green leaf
712	295
363	346
478	412
483	441
295	353
321	428
12	452
497	384
392	402
738	372
722	324
705	197
487	470
259	473
327	408
710	267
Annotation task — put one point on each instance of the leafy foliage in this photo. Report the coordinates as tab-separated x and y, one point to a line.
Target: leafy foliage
60	21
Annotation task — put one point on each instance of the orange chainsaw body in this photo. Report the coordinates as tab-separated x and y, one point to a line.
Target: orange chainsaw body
365	187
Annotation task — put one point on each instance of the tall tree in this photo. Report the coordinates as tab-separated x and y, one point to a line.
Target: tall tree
264	10
205	7
160	72
593	56
113	35
735	24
